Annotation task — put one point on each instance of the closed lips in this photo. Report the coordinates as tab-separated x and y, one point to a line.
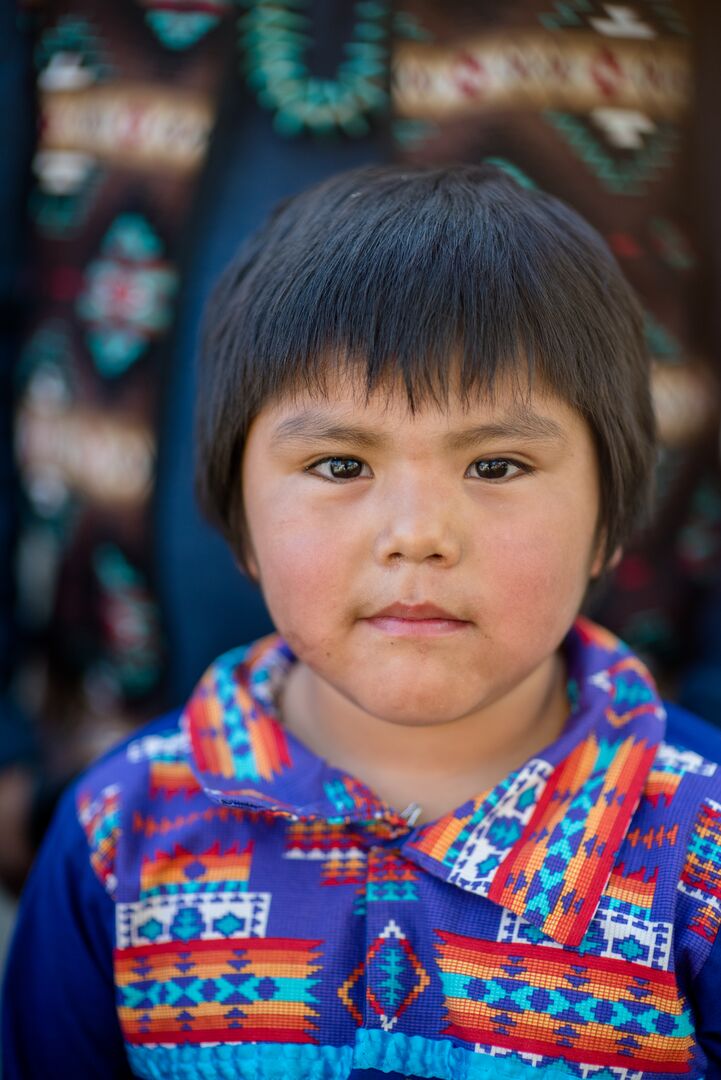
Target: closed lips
416	613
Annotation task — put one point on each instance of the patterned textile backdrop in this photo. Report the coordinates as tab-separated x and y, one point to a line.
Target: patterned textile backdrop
591	101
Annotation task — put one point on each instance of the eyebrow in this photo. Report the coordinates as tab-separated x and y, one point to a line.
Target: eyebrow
527	426
312	426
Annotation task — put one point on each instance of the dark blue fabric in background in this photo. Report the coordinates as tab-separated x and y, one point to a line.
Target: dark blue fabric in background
700	689
17	739
208	606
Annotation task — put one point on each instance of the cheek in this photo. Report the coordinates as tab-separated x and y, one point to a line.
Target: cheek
306	569
536	570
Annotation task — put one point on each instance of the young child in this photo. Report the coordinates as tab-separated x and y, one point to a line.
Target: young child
433	828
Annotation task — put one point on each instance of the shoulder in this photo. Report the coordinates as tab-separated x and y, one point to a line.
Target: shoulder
684	789
693	733
686	772
121	785
690	758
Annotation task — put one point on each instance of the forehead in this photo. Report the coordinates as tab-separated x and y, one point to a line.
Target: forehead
343	400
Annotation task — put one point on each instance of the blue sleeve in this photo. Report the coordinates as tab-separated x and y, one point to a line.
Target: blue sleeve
693	732
707	1009
59	1015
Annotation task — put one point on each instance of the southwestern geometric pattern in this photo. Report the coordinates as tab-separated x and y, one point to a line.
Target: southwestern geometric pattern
588	1072
231	738
390	877
126	300
701	874
672	759
273	916
207	991
185	895
474	840
338	850
391	976
201	916
611	933
187	871
550	862
633	890
172	778
100	818
600	1011
559	867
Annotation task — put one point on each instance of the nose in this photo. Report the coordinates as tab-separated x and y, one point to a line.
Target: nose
419	524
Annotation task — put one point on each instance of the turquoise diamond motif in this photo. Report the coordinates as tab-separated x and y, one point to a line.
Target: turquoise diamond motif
526	798
630	949
228	925
151	930
504	832
187	924
533	934
488	864
395	975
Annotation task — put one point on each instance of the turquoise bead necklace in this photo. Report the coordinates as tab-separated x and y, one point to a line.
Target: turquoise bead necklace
274	37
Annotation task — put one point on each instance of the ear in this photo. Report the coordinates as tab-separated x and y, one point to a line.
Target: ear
248	565
241	548
615	558
600	564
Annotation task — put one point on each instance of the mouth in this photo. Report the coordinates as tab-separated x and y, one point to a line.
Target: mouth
416	620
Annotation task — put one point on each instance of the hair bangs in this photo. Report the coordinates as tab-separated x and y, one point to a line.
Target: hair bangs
412	296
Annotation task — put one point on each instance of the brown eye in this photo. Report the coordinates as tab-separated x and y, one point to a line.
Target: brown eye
495	469
339	468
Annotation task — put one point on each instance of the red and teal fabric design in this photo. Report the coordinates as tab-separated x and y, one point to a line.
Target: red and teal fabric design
126	300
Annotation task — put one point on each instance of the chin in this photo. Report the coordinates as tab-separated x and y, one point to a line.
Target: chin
415	710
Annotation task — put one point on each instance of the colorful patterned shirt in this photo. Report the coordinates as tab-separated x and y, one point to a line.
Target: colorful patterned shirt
269	916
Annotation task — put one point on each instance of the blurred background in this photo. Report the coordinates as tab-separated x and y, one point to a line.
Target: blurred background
141	141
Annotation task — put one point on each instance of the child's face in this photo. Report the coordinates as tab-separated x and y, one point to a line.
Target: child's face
487	512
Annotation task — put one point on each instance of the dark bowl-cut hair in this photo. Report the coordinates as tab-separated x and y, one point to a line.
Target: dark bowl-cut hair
431	279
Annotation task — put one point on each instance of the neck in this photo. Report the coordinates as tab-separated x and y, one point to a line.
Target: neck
439	766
